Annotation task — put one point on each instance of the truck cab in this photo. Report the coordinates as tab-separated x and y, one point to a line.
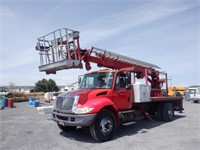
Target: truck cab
110	84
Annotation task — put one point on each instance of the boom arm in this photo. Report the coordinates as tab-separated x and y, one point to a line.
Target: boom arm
61	50
112	60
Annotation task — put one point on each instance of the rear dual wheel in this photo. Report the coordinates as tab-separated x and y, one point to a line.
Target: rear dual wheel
165	111
168	112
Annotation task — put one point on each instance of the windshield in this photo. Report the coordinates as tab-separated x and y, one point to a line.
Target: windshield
97	80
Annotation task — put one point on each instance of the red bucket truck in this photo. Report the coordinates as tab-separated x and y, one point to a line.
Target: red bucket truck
127	91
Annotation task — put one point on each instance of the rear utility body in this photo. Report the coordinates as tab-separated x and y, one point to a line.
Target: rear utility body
129	91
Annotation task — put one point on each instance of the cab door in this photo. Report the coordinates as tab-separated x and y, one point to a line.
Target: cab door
121	95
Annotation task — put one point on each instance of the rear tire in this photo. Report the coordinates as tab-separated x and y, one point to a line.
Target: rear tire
167	112
66	128
104	126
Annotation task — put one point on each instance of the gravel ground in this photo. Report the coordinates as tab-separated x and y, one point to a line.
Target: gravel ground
23	128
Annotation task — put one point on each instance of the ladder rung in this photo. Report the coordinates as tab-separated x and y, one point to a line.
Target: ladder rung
118	57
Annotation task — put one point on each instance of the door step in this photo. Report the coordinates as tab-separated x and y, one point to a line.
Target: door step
139	118
129	123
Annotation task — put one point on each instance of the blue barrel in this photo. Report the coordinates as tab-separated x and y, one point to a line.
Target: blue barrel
31	101
36	103
4	102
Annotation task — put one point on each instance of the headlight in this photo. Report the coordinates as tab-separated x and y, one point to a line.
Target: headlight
82	110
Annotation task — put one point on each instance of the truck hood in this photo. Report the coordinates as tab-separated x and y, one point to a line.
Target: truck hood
89	94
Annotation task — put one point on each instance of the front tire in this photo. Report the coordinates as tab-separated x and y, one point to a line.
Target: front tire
104	126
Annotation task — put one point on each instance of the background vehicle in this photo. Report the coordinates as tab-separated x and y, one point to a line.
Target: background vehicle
130	90
176	90
193	93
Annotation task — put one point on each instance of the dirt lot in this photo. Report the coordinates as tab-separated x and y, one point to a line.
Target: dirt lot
23	128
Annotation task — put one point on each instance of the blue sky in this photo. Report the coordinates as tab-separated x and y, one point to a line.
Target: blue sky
165	33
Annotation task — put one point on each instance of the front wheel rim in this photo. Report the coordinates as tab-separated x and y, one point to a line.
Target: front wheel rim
106	125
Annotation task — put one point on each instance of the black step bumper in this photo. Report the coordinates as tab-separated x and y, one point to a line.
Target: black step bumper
73	119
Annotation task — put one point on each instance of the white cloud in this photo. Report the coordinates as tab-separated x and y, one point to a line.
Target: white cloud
116	23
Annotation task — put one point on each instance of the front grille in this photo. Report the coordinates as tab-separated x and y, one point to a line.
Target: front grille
64	103
59	102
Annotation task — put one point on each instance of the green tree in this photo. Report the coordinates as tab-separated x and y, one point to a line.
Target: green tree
52	86
45	85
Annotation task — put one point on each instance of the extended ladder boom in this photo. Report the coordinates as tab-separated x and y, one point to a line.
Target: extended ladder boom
120	58
61	50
